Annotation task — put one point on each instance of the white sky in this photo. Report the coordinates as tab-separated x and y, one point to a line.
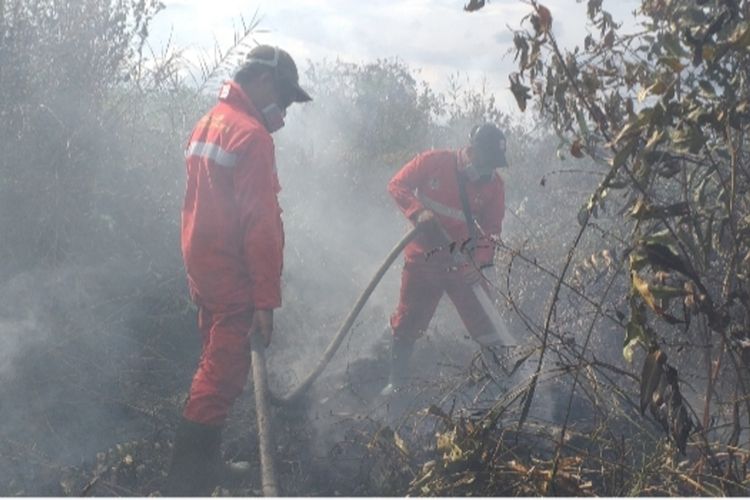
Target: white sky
435	36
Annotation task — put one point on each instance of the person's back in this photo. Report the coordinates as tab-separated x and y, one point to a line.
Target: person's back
217	164
232	241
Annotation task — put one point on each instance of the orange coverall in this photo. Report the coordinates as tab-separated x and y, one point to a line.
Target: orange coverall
429	181
232	242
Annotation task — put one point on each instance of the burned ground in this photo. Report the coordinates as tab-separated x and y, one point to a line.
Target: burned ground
98	338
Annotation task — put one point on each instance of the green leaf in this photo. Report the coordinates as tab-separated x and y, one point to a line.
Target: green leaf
643	210
656	138
688	140
651	375
673	63
582	125
663	292
519	90
664	256
617	183
635	331
656	88
634	335
589	207
400	444
642	287
741	36
700	192
707	87
671	42
697	141
640	209
701	116
637	261
624	153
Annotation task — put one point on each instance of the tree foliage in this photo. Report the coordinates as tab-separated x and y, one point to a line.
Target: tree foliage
664	112
379	107
96	125
96	322
61	63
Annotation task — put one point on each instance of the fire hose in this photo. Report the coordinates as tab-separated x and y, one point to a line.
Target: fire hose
347	324
260	389
263	395
260	380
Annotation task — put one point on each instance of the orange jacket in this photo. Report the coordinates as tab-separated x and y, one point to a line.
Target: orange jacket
429	181
232	235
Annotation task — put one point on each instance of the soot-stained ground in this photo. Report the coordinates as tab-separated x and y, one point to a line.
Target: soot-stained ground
90	407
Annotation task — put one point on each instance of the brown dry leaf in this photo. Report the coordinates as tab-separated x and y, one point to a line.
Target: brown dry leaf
644	290
545	18
520	91
576	149
609	39
474	5
400	444
518	468
571	461
651	376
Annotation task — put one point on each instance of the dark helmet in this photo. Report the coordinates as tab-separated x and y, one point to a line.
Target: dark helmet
283	67
488	143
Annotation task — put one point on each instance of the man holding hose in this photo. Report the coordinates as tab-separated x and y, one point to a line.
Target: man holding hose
232	241
457	199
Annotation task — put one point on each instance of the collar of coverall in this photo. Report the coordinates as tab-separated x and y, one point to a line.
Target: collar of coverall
232	93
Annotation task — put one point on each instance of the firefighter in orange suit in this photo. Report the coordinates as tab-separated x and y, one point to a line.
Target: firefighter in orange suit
428	190
232	242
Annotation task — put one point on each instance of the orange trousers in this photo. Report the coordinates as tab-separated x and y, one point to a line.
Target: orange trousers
224	364
422	285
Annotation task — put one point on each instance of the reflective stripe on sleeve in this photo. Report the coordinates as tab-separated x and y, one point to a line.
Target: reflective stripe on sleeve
440	208
212	152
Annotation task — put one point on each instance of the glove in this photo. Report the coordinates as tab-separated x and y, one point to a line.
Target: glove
262	325
425	219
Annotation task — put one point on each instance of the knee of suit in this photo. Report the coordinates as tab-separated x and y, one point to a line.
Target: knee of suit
222	371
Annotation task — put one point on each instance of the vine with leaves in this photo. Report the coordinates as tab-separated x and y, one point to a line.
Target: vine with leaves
664	112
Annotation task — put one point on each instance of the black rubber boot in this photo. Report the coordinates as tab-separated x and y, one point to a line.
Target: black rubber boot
401	350
196	460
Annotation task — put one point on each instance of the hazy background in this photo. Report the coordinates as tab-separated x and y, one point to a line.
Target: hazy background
97	336
434	37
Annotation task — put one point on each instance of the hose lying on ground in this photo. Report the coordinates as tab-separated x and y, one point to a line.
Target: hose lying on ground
260	379
347	324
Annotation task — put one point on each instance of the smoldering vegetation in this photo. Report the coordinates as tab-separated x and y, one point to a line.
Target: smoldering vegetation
98	337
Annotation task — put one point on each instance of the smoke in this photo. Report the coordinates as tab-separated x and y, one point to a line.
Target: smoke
340	223
99	347
14	333
79	373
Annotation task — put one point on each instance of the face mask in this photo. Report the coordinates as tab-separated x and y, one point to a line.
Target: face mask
274	117
474	174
